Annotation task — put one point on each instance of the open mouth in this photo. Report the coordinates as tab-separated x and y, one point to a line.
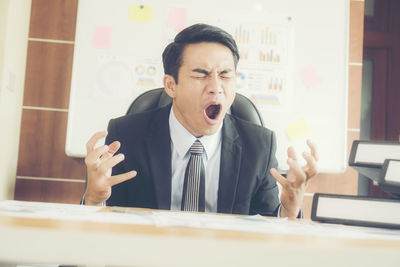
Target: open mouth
212	111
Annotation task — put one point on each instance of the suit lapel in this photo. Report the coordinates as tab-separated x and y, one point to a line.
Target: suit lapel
158	145
231	152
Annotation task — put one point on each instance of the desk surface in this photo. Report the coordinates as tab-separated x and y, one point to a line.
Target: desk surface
26	239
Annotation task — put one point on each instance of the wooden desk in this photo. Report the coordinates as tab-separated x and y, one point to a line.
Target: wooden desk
33	240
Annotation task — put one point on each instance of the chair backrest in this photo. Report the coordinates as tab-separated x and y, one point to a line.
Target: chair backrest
242	107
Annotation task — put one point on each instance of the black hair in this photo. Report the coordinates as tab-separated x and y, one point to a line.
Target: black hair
197	33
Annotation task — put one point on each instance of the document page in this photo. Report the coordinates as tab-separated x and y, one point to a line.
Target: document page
161	218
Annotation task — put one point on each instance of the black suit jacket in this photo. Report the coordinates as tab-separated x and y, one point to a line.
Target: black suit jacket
247	154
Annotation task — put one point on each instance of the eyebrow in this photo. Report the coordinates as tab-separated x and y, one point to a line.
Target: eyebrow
203	71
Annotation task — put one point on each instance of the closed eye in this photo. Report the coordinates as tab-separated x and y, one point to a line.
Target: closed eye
226	74
197	76
200	73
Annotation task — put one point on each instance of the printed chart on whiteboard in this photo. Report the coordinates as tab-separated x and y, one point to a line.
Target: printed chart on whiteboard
264	68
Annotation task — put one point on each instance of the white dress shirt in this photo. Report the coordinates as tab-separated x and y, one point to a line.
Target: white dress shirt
181	141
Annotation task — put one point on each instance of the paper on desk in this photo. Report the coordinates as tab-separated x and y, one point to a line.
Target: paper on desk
124	216
255	223
45	210
207	220
262	224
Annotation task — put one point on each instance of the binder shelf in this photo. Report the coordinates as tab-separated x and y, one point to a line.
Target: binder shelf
379	161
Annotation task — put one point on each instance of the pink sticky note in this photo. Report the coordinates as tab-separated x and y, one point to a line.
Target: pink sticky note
102	37
310	77
177	18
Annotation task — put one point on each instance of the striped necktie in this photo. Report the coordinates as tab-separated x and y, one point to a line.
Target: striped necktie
193	198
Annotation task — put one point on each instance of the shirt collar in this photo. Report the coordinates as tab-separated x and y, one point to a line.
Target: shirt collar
182	139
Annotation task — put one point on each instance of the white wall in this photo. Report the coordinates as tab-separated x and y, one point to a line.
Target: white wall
3	21
14	27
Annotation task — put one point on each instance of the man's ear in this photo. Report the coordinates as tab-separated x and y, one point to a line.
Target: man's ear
169	85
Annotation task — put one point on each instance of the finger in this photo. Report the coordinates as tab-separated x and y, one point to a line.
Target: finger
313	148
117	179
108	164
297	172
278	177
311	168
292	153
113	148
94	155
93	140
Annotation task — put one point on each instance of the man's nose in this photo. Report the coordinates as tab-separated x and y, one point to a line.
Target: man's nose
215	85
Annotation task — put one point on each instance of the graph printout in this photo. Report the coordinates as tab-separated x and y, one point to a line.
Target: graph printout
264	70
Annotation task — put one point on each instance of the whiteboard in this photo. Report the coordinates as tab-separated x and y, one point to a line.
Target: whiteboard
293	65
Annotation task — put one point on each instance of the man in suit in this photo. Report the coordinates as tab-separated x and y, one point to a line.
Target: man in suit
235	170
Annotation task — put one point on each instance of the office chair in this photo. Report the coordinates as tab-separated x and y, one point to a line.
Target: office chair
242	107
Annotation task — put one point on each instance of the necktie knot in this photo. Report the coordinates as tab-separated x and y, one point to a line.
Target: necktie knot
196	148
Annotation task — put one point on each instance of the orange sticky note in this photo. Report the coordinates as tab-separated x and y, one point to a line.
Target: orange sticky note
177	18
102	37
297	130
141	14
310	77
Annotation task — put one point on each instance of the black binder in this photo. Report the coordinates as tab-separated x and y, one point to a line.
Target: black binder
376	160
356	210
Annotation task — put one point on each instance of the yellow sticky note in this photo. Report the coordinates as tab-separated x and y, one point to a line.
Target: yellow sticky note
297	130
141	14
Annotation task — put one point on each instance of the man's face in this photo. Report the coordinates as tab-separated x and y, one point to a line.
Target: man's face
205	89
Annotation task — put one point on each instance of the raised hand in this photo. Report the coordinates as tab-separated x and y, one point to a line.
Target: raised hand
296	181
99	162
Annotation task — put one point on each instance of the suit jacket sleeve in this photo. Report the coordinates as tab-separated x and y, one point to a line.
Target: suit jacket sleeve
266	198
118	191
